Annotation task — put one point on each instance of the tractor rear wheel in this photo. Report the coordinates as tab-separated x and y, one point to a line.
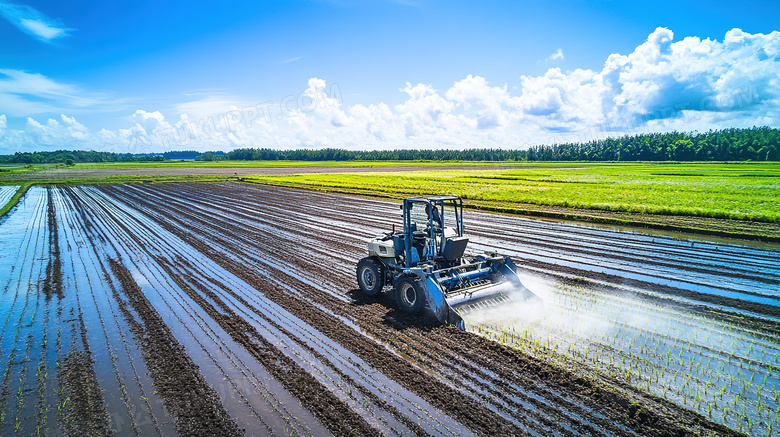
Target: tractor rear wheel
370	276
409	295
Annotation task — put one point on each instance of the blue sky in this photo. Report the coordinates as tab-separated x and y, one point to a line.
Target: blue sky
152	76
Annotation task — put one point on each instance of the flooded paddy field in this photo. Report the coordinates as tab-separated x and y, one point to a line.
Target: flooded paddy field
6	193
232	309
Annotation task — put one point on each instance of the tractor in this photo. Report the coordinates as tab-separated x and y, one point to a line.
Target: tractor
429	267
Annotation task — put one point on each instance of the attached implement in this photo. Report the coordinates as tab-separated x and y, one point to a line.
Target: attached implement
428	266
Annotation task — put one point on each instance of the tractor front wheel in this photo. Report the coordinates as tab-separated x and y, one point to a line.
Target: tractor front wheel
409	295
370	276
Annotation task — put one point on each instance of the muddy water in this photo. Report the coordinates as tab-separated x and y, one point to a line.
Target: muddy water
254	288
24	318
220	360
309	252
286	332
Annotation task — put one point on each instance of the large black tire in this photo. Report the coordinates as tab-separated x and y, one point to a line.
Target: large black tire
370	276
409	295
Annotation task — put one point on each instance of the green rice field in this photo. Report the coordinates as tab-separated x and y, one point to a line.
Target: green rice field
745	191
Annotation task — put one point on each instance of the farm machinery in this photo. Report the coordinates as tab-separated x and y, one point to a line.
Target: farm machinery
429	268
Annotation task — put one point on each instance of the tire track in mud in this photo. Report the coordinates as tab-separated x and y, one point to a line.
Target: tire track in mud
187	252
185	393
82	411
325	405
211	356
198	219
53	282
468	411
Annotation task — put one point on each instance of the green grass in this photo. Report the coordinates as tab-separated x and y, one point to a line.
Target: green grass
118	180
598	192
325	164
14	200
12	169
745	191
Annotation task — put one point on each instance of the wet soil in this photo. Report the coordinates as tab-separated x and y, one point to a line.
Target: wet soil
498	371
740	229
185	393
339	418
53	283
82	411
200	297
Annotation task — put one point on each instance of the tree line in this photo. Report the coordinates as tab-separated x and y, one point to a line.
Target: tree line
751	144
73	156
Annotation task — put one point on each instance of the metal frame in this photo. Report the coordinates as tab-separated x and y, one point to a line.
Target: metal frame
433	202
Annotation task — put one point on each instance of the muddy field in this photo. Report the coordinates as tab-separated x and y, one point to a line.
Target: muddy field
231	309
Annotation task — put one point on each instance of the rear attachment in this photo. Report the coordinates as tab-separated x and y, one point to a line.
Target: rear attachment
498	297
491	285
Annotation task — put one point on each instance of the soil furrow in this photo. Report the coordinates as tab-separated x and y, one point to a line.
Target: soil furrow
329	409
201	309
262	244
185	393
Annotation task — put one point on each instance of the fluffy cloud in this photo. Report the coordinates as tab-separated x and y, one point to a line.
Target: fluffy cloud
557	56
32	22
692	73
61	133
149	122
664	80
691	84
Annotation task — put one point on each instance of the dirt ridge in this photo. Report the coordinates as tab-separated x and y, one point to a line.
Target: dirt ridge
642	413
186	394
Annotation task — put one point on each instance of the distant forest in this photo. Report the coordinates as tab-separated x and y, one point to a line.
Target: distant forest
753	144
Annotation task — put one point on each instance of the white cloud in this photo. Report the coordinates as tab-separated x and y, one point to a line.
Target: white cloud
23	94
662	85
32	22
292	59
149	121
662	73
53	134
42	30
205	104
663	79
557	56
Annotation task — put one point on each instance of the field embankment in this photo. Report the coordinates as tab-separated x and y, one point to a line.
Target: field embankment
10	195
